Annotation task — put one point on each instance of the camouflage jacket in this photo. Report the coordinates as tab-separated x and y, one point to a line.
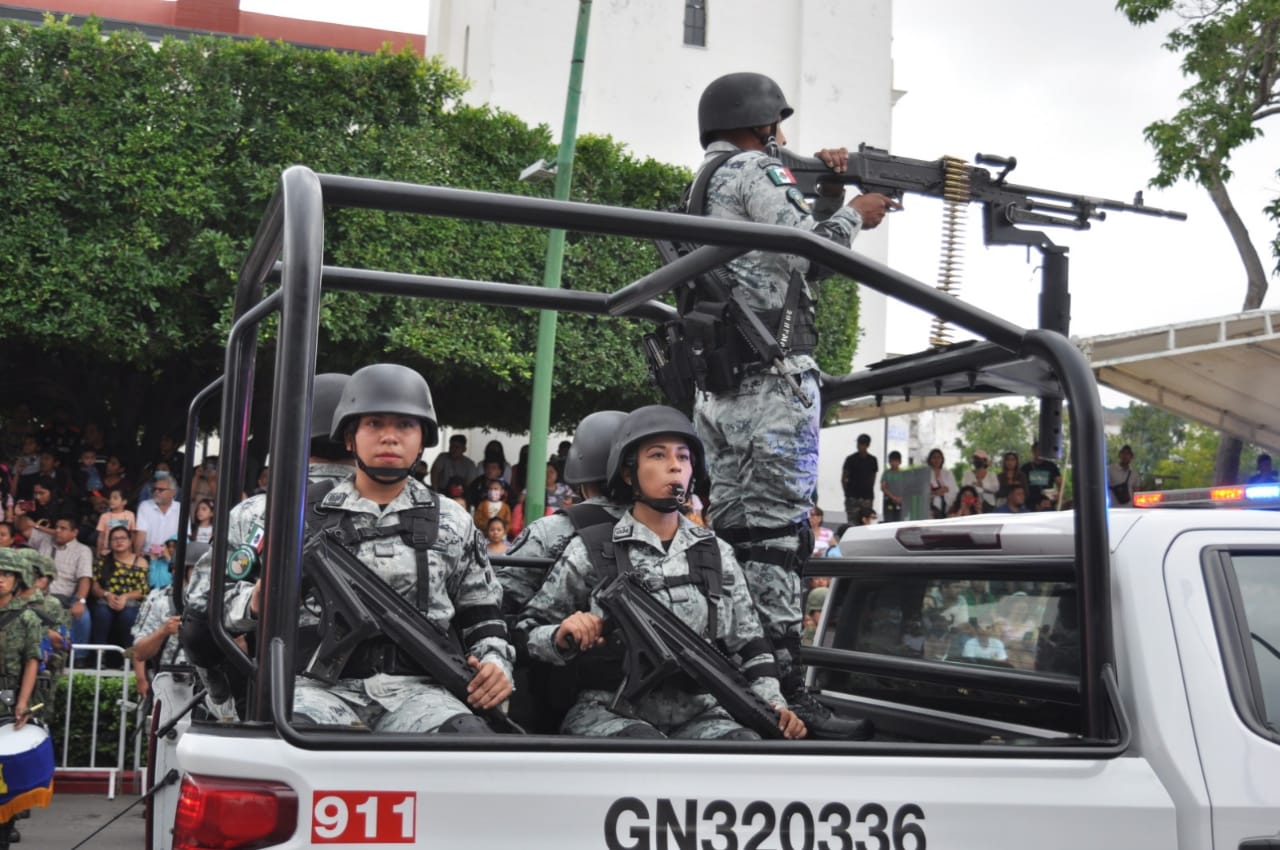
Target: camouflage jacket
569	588
152	614
753	186
19	641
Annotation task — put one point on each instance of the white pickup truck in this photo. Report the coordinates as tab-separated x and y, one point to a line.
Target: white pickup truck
1090	678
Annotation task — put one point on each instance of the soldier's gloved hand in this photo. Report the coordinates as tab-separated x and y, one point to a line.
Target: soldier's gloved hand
489	687
792	726
581	630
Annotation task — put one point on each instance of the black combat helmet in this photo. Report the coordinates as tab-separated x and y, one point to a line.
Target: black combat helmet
325	394
642	423
588	459
734	101
387	388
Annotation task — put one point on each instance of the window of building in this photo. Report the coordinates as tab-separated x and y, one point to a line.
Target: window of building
695	22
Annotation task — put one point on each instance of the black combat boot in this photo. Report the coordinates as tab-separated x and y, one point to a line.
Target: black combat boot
821	721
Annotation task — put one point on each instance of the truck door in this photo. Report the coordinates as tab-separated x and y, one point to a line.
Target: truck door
1225	601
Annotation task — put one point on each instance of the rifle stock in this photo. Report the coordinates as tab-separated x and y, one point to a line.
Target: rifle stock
659	644
358	605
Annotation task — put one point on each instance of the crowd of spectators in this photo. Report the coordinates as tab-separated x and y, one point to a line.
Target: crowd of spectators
109	520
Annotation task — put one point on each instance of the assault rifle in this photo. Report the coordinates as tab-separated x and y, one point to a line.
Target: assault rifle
1005	204
659	645
358	606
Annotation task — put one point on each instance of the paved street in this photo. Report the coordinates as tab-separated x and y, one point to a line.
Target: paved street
72	817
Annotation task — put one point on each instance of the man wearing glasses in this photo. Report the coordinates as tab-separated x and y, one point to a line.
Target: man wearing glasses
157	517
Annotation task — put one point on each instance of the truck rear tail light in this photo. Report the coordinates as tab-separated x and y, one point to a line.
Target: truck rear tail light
233	814
919	538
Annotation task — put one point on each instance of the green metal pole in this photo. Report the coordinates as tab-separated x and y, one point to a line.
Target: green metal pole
544	359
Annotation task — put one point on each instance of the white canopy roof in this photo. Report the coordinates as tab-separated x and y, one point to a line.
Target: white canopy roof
1222	372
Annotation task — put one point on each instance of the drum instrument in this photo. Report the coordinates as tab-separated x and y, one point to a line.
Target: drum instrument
26	767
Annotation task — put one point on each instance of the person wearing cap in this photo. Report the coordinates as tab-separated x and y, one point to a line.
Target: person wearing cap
761	439
155	631
652	463
20	636
385	418
55	621
982	479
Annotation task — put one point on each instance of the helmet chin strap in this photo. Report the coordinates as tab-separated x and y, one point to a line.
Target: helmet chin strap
384	474
670	504
770	141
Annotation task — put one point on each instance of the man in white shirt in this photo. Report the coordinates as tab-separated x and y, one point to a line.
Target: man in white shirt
74	563
1121	478
157	518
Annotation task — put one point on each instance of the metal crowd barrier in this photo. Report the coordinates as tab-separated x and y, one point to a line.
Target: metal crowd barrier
98	672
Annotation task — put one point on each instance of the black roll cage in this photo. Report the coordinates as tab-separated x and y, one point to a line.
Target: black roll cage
290	243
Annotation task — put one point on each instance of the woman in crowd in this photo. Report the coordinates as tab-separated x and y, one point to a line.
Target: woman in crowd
968	503
1010	476
942	484
120	583
116	476
558	493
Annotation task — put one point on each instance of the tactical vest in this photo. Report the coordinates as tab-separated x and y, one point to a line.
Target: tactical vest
601	668
704	347
417	527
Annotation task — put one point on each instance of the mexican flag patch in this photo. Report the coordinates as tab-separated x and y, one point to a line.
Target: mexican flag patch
780	176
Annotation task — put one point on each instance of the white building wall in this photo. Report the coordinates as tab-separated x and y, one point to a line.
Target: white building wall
641	86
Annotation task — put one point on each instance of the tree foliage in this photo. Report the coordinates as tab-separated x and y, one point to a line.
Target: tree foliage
998	428
1231	54
134	175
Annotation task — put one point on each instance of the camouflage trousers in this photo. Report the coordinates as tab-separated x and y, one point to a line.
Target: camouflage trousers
382	703
762	456
672	712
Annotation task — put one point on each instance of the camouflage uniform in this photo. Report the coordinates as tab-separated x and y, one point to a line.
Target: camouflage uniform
53	616
761	442
545	537
154	611
19	639
675	713
462	583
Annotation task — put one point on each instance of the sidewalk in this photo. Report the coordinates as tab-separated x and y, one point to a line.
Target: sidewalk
71	818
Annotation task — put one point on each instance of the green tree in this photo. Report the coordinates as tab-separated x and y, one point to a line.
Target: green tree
134	176
998	428
1154	434
1231	54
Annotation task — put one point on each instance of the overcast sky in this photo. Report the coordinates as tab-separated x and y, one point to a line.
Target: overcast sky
1065	87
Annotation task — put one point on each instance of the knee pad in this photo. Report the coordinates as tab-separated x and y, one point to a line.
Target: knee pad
639	730
739	735
464	724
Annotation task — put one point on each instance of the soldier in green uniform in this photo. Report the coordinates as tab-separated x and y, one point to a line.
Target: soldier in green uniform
20	633
55	622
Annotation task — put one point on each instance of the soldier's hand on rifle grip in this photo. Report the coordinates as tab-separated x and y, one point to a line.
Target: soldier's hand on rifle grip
873	207
489	687
582	629
792	726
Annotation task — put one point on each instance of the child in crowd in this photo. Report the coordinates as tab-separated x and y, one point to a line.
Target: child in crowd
493	506
202	521
158	574
116	514
497	536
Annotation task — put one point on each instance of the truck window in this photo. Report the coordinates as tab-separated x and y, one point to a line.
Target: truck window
1020	626
1258	578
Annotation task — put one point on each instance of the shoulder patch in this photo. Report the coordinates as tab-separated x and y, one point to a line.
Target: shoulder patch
420	497
797	199
780	175
333	498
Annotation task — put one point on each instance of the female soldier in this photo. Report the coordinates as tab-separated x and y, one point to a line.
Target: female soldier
654	458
